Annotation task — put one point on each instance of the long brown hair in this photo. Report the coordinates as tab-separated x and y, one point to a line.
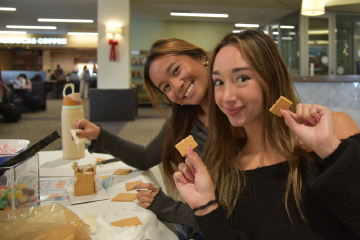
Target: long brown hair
179	122
266	62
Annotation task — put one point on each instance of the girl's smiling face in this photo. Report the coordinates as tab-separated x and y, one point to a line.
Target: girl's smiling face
238	93
183	79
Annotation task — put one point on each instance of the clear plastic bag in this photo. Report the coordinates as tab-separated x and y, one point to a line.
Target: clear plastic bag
53	222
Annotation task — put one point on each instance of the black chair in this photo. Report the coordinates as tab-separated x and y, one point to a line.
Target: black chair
37	100
358	67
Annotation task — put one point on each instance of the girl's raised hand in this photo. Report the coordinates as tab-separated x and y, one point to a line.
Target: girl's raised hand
313	125
197	189
86	129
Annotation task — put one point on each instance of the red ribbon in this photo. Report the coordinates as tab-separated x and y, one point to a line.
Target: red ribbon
112	51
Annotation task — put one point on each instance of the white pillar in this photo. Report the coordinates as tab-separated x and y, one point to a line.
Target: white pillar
113	75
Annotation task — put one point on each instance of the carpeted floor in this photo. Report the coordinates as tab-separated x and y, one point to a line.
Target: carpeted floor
34	126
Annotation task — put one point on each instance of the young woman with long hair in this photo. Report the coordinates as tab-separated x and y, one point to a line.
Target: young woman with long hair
175	70
295	177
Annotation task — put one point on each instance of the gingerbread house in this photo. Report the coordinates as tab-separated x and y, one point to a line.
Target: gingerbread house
84	179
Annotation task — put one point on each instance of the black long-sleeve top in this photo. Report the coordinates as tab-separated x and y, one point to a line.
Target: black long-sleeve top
330	202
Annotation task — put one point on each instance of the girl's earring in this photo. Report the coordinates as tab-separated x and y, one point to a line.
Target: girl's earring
206	64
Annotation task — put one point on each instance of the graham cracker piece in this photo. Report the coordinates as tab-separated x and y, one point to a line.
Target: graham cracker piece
128	222
122	171
124	197
99	160
85	184
188	141
130	185
282	103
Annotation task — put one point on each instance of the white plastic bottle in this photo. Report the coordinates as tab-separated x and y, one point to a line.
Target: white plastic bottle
72	108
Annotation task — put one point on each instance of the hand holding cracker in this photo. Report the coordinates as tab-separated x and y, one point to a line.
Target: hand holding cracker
189	141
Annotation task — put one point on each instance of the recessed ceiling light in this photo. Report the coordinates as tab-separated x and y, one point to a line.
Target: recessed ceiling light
215	15
82	33
246	25
322	42
31	27
317	32
7	9
65	20
13	32
287	27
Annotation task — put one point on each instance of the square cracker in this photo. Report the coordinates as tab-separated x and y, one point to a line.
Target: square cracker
122	171
282	103
124	197
128	222
189	141
130	185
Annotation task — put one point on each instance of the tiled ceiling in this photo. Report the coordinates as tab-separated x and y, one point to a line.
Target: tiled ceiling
245	11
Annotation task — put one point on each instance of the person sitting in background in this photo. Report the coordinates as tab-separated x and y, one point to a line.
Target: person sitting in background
50	75
22	87
297	176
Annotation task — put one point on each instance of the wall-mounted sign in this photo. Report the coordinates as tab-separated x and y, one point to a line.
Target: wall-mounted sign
24	40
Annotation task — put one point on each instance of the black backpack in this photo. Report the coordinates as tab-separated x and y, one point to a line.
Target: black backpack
10	112
87	77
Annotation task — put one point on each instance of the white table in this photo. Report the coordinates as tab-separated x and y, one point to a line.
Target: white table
52	165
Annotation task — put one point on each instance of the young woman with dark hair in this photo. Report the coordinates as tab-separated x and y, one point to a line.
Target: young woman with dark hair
175	70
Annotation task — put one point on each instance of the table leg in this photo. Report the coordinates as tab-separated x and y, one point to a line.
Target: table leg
54	90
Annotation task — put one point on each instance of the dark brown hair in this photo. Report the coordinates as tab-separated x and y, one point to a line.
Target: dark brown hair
179	122
264	58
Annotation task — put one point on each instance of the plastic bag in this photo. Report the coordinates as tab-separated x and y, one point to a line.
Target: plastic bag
53	222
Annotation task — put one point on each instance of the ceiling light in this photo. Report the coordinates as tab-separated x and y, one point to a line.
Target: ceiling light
292	33
287	27
237	31
246	25
31	27
65	20
322	42
311	42
13	32
7	9
318	32
312	7
82	33
286	38
275	33
215	15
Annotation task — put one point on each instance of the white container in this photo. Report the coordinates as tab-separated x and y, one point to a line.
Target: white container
9	148
72	108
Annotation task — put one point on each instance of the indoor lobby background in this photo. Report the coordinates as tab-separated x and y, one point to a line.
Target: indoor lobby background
321	53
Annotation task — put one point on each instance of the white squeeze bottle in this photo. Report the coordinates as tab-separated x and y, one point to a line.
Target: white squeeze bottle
72	108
